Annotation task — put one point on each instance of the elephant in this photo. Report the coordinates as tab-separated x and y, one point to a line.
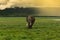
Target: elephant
30	21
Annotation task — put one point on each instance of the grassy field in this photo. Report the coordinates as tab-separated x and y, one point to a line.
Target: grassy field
14	28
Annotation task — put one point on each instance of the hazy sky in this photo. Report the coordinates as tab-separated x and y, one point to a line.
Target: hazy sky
29	3
43	4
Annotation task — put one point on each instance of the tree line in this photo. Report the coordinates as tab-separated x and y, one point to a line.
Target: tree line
16	12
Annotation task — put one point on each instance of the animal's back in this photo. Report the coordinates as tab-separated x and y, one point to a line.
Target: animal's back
30	19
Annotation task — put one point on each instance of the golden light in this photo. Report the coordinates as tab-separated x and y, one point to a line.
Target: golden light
47	3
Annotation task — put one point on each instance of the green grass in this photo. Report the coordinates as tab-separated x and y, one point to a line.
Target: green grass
14	28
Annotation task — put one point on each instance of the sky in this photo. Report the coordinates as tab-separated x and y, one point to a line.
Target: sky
49	7
29	3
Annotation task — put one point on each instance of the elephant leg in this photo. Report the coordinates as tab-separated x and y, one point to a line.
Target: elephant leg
32	24
29	25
